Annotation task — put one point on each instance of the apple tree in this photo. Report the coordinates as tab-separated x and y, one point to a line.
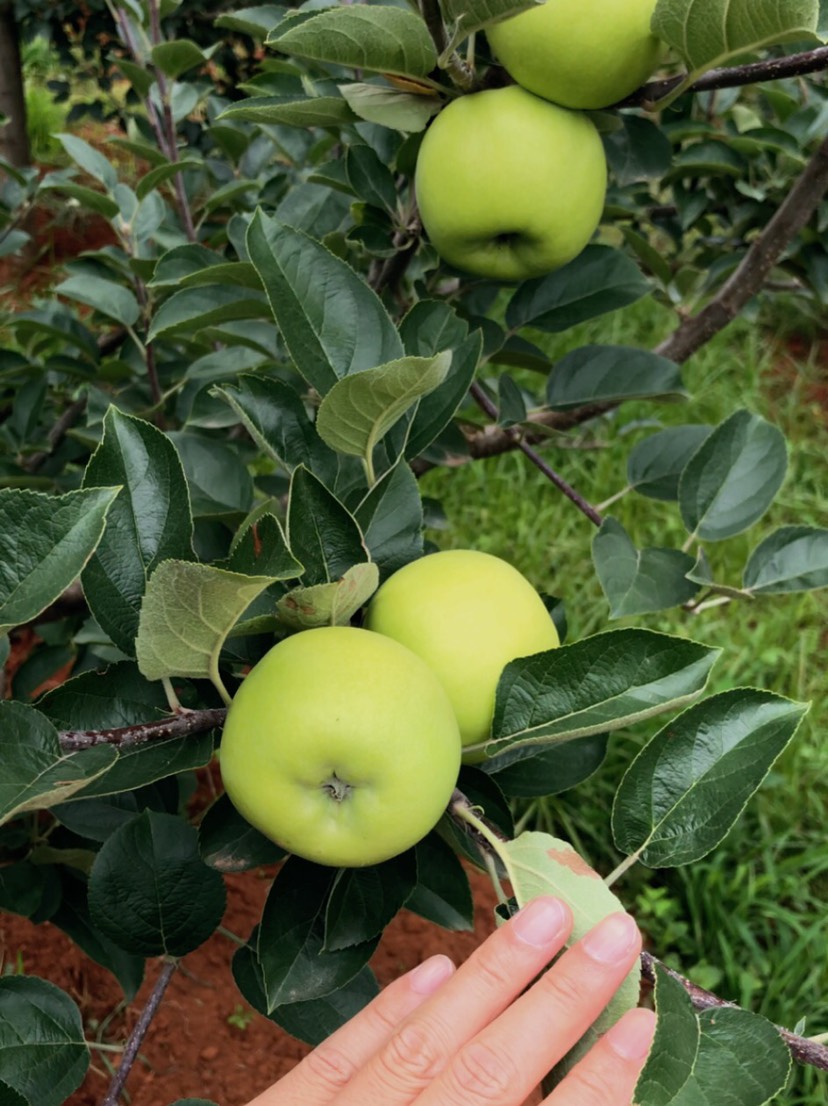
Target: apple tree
212	437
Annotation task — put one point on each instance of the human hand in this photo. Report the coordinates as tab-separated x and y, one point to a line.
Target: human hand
471	1037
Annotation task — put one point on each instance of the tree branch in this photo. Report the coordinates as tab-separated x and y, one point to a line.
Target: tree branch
486	405
182	725
790	218
137	1035
794	65
804	1051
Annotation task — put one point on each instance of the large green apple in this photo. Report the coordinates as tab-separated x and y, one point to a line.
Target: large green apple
467	614
579	53
508	185
341	746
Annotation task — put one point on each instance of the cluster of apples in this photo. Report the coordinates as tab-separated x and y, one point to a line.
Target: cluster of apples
343	745
511	182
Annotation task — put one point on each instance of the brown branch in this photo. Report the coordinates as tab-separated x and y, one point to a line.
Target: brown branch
185	724
486	405
794	65
790	218
804	1051
137	1035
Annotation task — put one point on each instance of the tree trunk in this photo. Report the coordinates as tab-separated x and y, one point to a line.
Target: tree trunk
14	139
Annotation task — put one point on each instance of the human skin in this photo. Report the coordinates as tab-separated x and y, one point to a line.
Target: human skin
508	185
477	1037
467	614
579	53
341	746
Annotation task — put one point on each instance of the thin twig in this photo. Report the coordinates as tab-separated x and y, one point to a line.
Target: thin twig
187	724
486	405
137	1035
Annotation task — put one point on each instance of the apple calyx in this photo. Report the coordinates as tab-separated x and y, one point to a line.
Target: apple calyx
337	789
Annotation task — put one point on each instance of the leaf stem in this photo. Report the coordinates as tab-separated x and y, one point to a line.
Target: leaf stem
463	811
217	682
625	865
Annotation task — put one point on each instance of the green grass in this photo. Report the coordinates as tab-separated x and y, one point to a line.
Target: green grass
749	919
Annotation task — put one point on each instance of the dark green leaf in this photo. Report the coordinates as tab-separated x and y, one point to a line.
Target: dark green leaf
149	522
732	479
611	374
364	900
437	409
442	894
655	464
230	844
793	558
197	308
473	15
111	299
684	791
310	111
260	549
177	56
391	518
43	1053
150	892
331	321
599	280
321	532
550	771
639	581
638	150
370	178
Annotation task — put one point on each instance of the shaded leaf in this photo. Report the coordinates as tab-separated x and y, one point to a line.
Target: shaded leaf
656	463
639	581
611	374
793	558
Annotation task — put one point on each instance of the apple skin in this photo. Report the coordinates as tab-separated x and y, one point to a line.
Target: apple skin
467	614
508	185
579	53
340	706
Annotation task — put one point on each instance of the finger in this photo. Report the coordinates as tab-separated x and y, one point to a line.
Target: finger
482	988
609	1072
324	1072
509	1058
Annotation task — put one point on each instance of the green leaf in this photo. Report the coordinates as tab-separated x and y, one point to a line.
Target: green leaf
527	773
278	422
442	894
694	1057
793	558
364	900
603	683
359	410
88	198
45	541
187	613
90	160
436	410
334	604
684	791
111	299
295	965
473	15
376	38
37	773
370	178
162	173
708	33
611	374
197	308
332	323
310	111
219	481
656	463
177	56
43	1052
732	479
639	150
391	518
261	549
538	864
390	107
149	890
599	280
149	522
321	532
230	844
639	581
256	22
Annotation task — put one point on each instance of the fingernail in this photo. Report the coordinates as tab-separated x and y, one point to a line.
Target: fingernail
540	922
431	974
632	1037
612	940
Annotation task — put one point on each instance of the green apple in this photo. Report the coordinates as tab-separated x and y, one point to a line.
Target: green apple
508	185
467	614
579	53
341	746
